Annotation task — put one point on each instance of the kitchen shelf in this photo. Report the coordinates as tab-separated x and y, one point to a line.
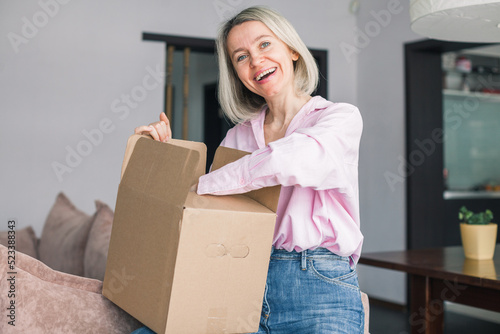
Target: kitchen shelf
457	194
482	96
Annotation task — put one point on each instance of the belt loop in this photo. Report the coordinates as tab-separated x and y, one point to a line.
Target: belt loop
303	260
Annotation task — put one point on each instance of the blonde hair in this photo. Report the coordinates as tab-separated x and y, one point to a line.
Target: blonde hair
238	102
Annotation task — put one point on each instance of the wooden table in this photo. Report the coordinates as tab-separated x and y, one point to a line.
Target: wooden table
442	274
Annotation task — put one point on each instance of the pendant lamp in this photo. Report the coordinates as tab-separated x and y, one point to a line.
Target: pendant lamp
457	20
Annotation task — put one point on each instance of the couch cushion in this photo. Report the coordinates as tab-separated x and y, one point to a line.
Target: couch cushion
64	237
48	301
26	241
96	251
366	307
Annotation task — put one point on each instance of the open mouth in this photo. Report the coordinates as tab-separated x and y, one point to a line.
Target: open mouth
265	74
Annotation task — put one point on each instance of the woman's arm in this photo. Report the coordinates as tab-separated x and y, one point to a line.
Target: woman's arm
320	156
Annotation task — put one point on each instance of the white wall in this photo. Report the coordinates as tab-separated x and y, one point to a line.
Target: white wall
380	90
74	66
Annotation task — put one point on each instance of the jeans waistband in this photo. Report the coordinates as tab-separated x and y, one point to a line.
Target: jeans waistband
309	253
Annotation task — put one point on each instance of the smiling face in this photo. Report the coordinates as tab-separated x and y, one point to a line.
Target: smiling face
264	63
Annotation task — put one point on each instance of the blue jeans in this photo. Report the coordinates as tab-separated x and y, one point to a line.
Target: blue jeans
311	292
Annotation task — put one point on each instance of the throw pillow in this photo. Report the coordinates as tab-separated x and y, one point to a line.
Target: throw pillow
26	241
64	237
96	252
48	301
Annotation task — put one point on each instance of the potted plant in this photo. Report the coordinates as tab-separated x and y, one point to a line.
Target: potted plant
478	233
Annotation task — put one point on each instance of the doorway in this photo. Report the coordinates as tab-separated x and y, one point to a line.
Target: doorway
432	219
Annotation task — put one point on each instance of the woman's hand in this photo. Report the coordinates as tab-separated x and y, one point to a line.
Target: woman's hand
160	130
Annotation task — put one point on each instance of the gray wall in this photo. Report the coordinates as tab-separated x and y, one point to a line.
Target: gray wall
381	94
70	70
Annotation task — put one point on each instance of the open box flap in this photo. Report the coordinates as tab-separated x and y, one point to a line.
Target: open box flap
196	146
266	196
162	170
200	147
132	140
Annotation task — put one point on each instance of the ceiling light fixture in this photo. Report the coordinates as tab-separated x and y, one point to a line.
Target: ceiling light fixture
452	20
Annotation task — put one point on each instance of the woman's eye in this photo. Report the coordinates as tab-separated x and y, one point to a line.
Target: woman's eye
240	58
264	45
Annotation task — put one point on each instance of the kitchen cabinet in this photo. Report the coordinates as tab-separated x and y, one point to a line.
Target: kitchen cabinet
471	127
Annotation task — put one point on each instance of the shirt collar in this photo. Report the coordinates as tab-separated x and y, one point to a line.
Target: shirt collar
257	123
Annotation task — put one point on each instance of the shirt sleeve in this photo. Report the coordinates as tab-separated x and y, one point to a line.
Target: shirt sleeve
320	156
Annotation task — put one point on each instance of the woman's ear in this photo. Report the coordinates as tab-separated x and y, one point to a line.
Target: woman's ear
295	55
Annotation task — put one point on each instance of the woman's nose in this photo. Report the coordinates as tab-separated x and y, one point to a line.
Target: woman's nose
255	59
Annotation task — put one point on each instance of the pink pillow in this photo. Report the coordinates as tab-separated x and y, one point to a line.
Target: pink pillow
64	237
96	251
48	301
26	241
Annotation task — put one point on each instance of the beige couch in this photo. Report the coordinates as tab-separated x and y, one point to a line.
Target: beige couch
55	283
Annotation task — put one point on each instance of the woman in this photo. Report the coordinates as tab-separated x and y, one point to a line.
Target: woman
307	145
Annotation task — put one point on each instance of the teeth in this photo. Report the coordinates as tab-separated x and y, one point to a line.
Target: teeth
271	70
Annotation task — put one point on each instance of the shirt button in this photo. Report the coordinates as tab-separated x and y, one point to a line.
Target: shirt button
242	181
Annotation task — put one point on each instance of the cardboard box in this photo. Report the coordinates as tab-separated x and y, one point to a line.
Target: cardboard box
183	263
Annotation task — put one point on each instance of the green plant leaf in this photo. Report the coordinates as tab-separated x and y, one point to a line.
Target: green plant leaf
480	218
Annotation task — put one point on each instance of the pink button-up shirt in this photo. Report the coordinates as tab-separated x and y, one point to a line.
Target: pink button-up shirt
316	163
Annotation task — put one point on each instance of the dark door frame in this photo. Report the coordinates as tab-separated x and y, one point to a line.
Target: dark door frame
431	220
